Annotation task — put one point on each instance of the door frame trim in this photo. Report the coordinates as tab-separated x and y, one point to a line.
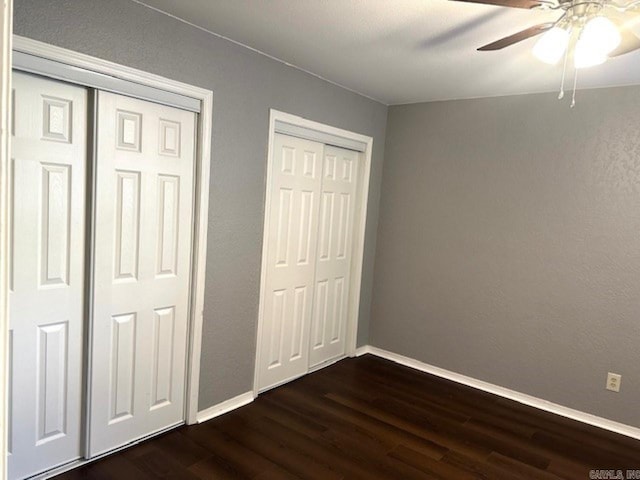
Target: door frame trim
355	287
6	22
202	181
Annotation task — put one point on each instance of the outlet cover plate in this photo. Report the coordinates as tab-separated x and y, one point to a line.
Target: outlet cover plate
613	381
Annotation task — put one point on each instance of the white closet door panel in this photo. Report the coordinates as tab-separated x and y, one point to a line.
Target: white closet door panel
293	226
47	273
144	202
333	262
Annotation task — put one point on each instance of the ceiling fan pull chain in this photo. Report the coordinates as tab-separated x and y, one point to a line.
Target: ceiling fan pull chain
575	85
564	71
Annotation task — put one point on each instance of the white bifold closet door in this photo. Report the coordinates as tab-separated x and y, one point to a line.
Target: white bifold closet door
47	278
288	297
308	258
333	258
143	224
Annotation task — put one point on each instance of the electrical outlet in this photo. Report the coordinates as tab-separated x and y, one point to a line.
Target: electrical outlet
613	382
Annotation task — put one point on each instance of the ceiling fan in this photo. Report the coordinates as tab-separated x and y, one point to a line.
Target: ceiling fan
594	28
587	31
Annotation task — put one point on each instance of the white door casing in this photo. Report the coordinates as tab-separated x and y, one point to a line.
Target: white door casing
293	219
334	259
6	21
46	273
143	237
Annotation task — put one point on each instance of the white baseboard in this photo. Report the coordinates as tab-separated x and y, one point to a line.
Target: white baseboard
362	350
224	407
588	418
606	424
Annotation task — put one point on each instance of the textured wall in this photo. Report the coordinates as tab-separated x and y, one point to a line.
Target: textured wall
245	85
509	244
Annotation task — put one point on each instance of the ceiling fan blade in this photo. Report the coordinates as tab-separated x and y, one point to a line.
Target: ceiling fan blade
629	42
517	37
507	3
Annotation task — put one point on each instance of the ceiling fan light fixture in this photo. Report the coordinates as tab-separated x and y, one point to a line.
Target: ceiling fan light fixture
551	45
586	56
600	34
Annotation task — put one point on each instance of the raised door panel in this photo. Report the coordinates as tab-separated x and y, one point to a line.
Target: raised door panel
127	225
276	330
333	262
54	230
46	273
162	373
144	199
168	225
290	262
283	229
321	313
122	367
51	388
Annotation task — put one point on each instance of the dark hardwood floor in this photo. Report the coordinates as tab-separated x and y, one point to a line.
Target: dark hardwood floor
368	418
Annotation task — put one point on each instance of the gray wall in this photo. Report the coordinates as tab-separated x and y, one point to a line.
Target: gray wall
245	86
509	244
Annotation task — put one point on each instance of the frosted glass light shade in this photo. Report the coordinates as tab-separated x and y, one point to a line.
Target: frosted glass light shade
551	45
586	56
601	34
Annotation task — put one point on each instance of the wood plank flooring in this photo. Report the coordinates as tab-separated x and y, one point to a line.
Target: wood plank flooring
368	418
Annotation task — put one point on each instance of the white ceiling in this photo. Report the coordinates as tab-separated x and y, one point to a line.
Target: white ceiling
397	51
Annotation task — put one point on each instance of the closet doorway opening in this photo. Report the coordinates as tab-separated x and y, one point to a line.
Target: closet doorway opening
314	228
108	226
